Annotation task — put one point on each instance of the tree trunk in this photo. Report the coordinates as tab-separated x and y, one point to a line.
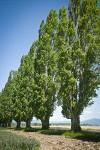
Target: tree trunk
18	124
5	124
75	123
28	123
45	124
9	124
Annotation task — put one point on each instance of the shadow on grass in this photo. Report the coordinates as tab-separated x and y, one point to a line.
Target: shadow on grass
84	136
89	138
11	128
52	132
32	129
47	132
5	128
19	129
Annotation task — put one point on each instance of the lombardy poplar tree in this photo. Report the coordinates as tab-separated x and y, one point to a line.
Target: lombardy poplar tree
23	89
16	99
26	72
45	70
6	102
64	61
79	59
66	80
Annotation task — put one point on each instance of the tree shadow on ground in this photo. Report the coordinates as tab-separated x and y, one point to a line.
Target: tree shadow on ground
90	136
84	135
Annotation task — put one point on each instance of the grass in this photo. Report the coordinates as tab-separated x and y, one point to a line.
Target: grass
4	128
32	129
76	135
10	141
52	132
85	136
90	127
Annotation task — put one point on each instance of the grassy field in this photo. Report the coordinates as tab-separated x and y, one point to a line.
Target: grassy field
94	128
68	127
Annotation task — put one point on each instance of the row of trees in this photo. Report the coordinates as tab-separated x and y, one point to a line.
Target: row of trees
62	67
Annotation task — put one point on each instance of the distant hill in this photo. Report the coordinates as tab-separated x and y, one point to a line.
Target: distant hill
93	121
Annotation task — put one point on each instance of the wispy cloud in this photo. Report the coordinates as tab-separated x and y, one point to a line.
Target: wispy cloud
99	112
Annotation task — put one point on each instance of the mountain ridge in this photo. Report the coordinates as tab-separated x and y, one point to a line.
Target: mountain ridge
93	121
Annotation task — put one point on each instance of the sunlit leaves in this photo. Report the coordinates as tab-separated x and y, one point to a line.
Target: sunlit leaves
45	68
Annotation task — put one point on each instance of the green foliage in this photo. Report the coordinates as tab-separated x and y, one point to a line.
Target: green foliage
78	57
16	98
32	129
52	132
6	106
12	141
26	73
62	64
45	69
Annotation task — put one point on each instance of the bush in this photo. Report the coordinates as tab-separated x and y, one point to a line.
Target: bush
10	141
32	129
52	132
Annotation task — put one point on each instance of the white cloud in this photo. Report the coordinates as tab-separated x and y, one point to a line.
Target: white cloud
88	112
57	116
99	112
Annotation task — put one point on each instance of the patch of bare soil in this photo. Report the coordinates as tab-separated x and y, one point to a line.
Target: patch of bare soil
56	142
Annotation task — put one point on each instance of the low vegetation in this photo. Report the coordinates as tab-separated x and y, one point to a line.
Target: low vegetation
10	141
86	136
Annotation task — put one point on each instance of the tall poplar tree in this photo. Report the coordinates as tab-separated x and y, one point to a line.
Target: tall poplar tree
27	87
16	99
79	60
45	69
23	89
6	105
66	79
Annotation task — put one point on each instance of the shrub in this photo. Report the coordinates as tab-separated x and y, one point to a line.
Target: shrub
52	132
10	141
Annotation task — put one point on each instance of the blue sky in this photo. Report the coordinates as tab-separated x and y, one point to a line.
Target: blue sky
19	24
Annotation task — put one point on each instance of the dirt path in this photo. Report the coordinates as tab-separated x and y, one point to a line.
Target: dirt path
53	142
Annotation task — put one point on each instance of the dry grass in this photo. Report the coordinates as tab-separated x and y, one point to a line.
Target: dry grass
68	127
95	128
